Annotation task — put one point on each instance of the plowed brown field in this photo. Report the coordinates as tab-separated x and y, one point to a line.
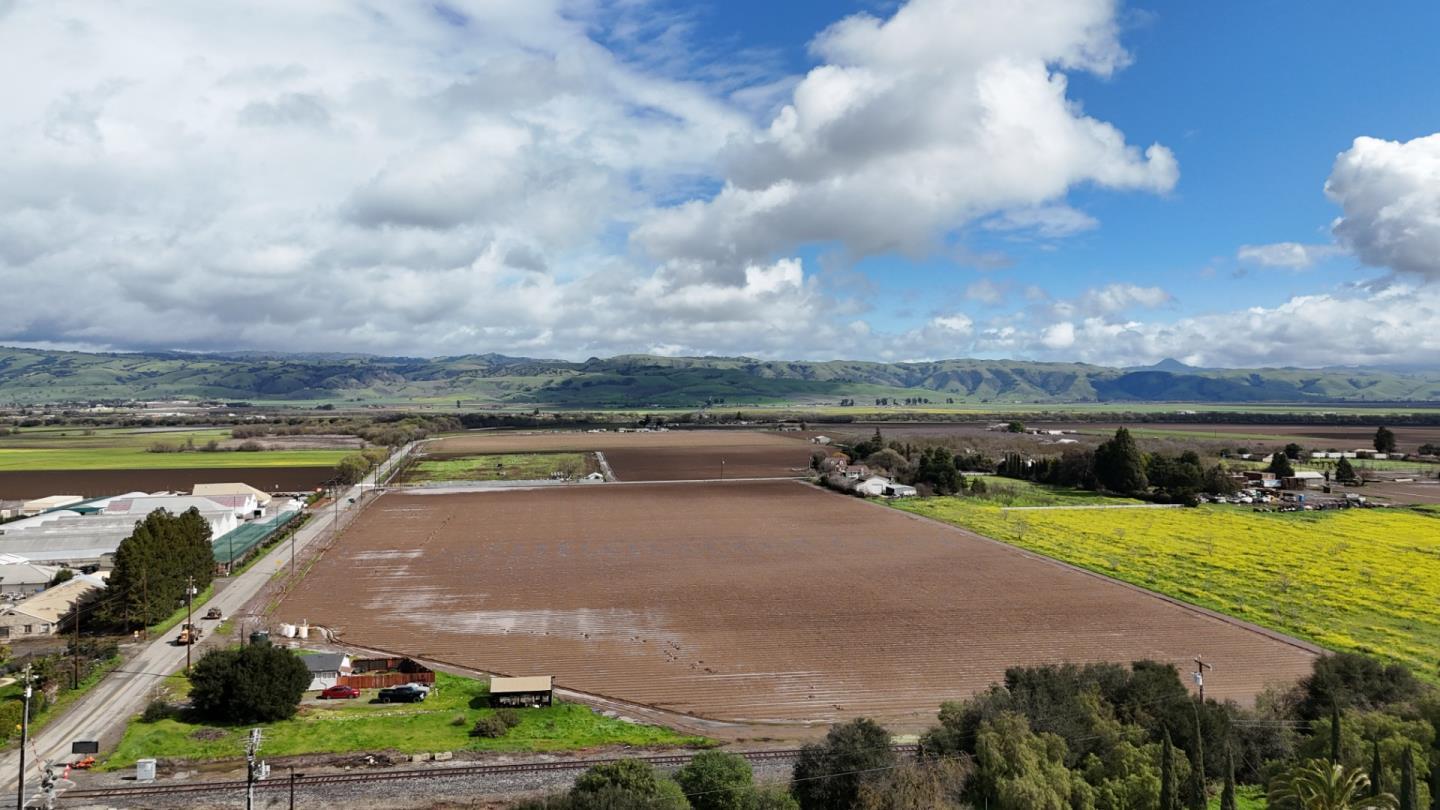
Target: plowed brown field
745	601
676	455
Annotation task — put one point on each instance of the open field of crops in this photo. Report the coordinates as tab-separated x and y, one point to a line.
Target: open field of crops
1361	580
501	467
129	449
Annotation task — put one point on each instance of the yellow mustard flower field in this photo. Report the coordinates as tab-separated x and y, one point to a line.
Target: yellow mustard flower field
1355	580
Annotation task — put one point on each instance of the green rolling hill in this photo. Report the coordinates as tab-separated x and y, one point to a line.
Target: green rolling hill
31	376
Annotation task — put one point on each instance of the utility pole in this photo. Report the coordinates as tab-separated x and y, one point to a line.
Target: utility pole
24	741
251	751
1199	676
75	649
189	620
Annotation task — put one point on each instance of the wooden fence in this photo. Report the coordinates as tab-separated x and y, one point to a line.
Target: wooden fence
380	680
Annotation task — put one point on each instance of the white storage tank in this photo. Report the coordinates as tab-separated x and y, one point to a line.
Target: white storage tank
303	631
144	770
287	630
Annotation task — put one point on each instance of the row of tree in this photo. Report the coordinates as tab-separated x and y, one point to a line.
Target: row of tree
1354	734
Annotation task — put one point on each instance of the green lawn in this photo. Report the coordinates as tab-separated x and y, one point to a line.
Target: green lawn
358	725
1247	797
500	467
1360	580
1012	492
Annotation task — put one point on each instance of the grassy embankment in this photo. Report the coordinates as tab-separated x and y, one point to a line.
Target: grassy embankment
12	700
500	467
357	725
1355	580
129	449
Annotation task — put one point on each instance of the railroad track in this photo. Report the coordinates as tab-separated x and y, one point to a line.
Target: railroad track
282	783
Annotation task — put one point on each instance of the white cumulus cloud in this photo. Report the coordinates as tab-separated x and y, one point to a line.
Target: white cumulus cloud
1389	196
1291	255
915	125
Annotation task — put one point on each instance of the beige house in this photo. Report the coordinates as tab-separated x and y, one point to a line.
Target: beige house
41	614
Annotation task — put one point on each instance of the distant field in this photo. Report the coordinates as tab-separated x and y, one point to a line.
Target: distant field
500	467
127	449
674	455
1358	580
120	458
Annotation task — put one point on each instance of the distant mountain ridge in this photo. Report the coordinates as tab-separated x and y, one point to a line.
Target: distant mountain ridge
30	376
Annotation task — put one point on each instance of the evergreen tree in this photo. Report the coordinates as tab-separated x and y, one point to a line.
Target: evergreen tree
1409	795
1119	466
1280	465
152	567
1227	795
1334	734
1384	440
256	683
1377	773
1195	798
1345	472
828	775
1167	774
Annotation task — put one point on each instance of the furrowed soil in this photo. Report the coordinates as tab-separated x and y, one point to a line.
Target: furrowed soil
39	483
746	601
676	455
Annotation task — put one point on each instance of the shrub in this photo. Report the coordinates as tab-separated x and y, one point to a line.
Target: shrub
256	683
489	727
457	720
510	717
250	447
157	710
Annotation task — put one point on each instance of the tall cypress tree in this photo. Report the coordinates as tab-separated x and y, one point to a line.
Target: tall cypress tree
1409	795
1227	795
1167	774
1195	793
1334	734
1377	773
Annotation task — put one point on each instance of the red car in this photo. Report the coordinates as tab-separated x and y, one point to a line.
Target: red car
340	693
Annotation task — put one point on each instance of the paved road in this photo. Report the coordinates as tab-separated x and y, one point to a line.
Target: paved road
124	692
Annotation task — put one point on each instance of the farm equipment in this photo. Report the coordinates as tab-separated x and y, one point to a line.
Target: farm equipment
213	613
189	634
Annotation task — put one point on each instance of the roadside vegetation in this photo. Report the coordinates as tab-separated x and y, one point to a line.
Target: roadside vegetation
443	722
1354	735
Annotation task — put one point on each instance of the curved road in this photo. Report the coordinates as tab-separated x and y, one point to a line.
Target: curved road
125	691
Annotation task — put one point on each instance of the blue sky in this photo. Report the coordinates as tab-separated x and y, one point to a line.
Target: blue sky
1045	179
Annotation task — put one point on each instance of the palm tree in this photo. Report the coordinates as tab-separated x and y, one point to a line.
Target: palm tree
1318	785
